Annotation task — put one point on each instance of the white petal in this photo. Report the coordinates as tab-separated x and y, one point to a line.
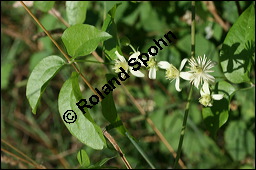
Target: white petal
121	58
137	73
196	81
183	62
177	84
164	64
186	75
135	55
202	93
206	88
217	96
152	73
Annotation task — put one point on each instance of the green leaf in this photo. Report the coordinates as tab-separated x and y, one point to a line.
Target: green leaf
76	11
239	141
44	5
109	25
238	48
44	71
99	164
217	115
82	39
84	128
109	111
225	88
83	158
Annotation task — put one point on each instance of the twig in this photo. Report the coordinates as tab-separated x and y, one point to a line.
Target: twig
57	31
56	13
211	7
23	160
49	146
95	54
5	142
13	162
117	148
63	53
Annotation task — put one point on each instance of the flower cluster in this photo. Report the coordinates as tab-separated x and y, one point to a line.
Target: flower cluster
198	74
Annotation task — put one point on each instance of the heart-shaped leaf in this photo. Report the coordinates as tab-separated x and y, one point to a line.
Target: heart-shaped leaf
217	115
82	39
39	78
238	49
83	127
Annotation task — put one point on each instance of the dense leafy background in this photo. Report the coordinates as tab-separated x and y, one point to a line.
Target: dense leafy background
45	138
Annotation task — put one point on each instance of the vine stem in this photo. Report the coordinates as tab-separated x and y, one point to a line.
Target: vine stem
59	48
117	148
184	124
106	134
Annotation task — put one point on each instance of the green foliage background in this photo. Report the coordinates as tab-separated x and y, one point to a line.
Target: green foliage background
45	138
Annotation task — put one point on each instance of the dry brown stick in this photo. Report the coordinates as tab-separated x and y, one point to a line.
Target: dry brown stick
8	144
211	7
21	159
151	123
13	162
49	146
56	13
117	148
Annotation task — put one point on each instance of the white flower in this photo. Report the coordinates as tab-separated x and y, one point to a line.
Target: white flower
209	31
173	73
199	71
152	66
206	98
121	62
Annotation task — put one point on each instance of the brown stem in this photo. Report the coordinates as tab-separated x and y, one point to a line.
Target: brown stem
211	7
15	156
64	54
56	13
117	148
